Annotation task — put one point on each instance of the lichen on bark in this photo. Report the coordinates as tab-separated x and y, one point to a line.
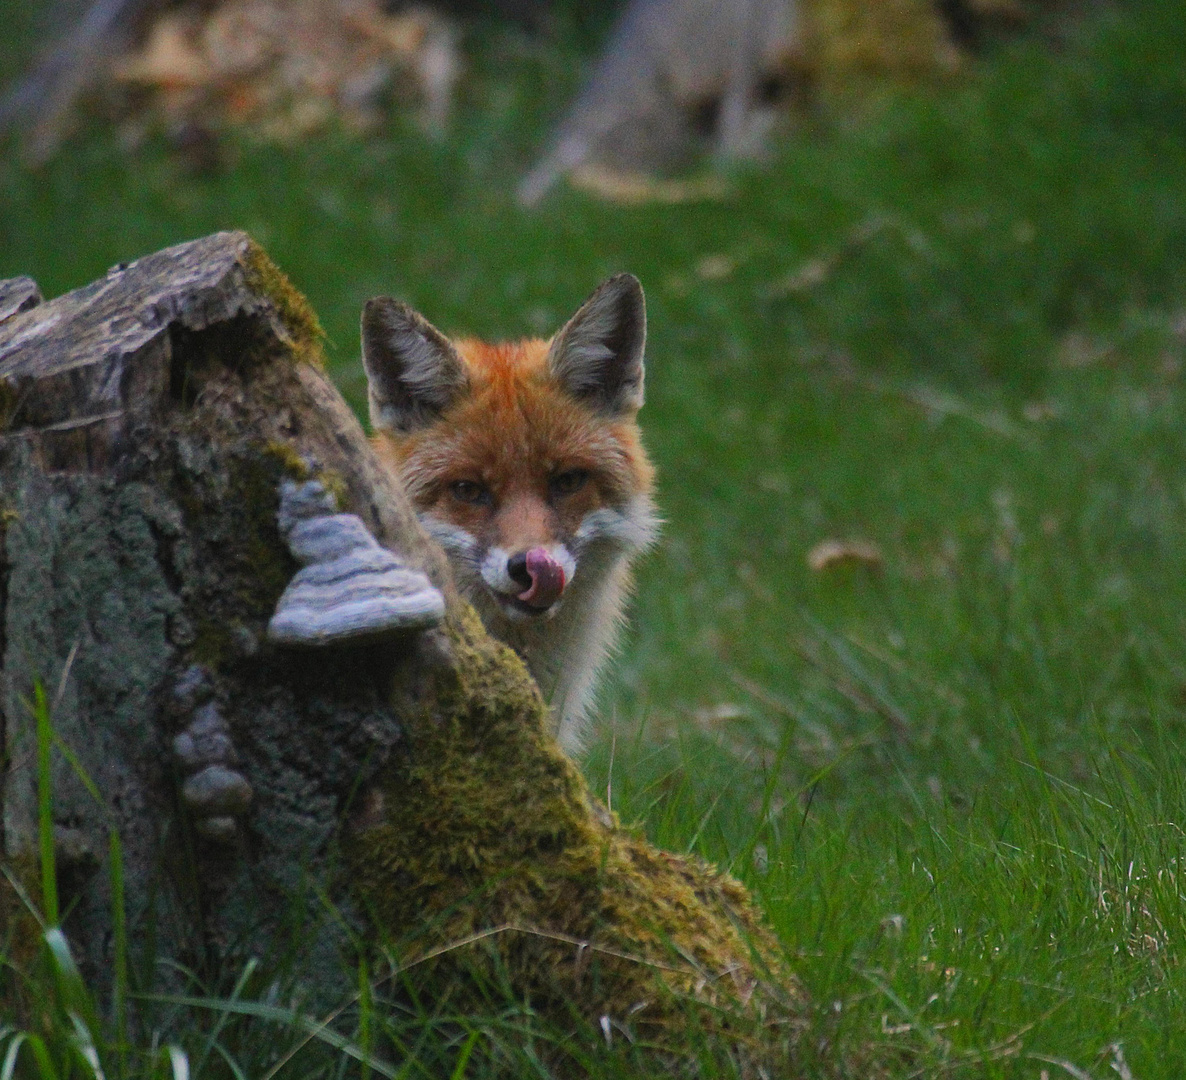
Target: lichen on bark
143	541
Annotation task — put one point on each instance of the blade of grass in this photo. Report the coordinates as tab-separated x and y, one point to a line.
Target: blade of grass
41	1056
366	1013
314	1029
231	1063
240	984
84	1046
178	1061
466	1051
72	991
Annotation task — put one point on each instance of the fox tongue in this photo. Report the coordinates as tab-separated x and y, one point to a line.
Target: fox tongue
547	579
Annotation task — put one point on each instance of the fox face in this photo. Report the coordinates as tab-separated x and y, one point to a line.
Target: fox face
519	484
524	461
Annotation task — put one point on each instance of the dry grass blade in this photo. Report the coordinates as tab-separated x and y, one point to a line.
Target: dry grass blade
1067	1066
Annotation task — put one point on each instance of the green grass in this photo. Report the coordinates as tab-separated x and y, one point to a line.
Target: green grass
957	784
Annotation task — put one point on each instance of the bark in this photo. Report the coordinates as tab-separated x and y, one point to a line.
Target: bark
276	800
148	420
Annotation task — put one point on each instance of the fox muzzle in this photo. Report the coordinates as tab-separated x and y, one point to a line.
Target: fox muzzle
541	575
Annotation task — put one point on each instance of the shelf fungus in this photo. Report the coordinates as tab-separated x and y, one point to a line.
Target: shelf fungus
214	791
350	587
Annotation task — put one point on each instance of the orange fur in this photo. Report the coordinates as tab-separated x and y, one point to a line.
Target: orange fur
513	430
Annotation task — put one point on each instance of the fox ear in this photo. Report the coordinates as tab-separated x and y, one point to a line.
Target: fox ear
413	372
597	354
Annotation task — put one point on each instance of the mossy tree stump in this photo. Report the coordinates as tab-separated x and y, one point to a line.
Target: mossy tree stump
403	789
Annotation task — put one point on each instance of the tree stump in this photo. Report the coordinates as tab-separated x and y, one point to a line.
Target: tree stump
399	786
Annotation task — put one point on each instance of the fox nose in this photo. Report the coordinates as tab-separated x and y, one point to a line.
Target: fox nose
541	576
517	570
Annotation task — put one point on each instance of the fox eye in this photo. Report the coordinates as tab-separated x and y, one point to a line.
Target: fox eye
470	491
567	482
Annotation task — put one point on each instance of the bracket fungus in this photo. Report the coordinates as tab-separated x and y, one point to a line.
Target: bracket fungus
350	587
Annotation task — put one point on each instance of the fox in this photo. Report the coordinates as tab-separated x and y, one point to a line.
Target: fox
524	461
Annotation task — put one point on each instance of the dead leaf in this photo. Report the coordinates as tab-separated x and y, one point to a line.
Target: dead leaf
723	713
829	554
810	274
816	271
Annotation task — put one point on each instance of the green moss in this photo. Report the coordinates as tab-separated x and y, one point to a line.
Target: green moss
266	278
295	467
289	459
489	831
335	484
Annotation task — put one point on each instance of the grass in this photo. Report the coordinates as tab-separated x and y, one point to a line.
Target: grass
954	326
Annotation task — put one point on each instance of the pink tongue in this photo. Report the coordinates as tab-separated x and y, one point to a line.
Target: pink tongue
547	579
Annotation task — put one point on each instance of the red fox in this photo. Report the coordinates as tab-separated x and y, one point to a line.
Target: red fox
524	461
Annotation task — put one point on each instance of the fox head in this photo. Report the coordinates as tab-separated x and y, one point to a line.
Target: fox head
522	459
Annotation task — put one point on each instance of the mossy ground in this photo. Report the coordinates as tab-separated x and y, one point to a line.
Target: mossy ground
492	851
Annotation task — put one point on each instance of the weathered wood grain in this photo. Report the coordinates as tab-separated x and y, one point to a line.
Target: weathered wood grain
17	295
